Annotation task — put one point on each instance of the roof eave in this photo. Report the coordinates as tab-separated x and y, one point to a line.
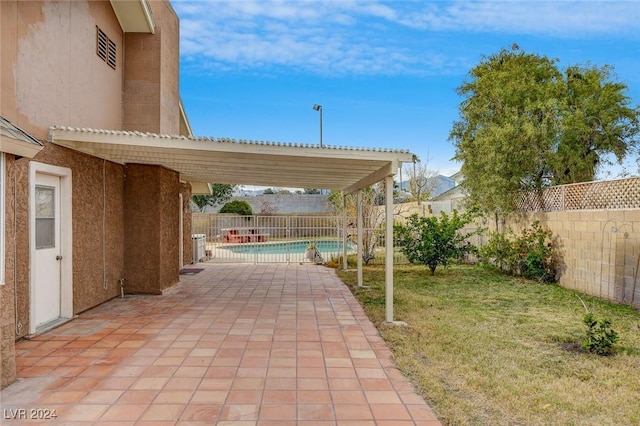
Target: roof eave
134	16
18	147
201	188
185	126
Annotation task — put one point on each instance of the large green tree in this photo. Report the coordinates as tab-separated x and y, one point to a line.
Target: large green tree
524	125
507	124
597	121
220	193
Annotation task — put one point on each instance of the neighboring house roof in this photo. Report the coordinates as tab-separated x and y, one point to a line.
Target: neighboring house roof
455	192
14	140
457	177
229	161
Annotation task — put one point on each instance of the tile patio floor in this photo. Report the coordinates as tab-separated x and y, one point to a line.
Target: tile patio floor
265	344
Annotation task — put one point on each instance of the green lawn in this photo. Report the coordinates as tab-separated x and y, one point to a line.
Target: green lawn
489	349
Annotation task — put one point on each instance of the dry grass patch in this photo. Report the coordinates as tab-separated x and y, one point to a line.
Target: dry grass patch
484	348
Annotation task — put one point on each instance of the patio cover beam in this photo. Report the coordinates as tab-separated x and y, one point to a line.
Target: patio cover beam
239	162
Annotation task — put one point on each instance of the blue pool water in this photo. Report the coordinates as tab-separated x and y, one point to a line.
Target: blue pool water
287	247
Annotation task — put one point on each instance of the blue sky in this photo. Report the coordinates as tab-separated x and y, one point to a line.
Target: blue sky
385	72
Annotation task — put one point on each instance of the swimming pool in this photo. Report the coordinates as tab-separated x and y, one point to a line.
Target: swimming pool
288	247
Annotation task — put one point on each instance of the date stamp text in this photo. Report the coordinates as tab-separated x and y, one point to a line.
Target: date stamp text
28	414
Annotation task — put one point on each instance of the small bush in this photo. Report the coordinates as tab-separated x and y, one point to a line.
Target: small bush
434	241
237	206
535	253
499	251
600	337
530	254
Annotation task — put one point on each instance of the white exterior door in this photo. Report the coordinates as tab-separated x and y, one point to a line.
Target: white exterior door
48	256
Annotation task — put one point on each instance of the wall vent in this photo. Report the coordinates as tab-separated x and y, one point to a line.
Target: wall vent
105	48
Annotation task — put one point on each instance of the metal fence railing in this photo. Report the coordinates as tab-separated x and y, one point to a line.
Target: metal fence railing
268	238
279	238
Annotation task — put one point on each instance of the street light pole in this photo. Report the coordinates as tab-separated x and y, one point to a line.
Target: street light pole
317	107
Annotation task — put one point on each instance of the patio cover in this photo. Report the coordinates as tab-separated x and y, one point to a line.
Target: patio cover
243	162
209	160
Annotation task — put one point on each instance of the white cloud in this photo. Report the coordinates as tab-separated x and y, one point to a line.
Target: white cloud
372	37
559	18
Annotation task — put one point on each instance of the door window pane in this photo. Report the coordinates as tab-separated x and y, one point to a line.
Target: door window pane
45	217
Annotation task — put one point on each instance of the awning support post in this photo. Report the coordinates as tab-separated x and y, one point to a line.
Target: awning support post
388	264
360	237
345	265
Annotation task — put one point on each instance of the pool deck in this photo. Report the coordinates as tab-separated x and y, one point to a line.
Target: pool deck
244	345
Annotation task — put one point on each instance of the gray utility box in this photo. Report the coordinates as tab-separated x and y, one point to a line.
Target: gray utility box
199	242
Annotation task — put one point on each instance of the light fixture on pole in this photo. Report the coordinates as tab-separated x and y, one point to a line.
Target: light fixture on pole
317	107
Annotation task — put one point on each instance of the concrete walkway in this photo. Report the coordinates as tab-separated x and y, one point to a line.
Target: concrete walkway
265	344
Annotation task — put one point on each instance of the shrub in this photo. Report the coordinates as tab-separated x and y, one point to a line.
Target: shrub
237	206
600	337
535	253
499	251
434	241
531	254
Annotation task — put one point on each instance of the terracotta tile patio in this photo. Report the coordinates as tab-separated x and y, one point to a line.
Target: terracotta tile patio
265	344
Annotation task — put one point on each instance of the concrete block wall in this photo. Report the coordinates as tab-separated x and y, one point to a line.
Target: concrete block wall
599	250
284	204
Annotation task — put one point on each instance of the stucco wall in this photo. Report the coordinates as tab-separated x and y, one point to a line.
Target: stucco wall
51	46
169	26
20	175
51	75
141	83
8	52
151	93
170	207
98	229
152	212
7	291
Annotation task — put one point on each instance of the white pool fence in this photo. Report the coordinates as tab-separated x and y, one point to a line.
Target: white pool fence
275	238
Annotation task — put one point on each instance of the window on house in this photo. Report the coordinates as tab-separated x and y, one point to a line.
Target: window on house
45	217
105	48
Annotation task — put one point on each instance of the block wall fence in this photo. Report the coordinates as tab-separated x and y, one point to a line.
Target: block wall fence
596	226
599	250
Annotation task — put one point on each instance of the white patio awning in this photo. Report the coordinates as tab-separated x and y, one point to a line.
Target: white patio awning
209	160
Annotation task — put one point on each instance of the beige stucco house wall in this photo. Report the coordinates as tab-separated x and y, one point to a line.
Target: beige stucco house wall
51	74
